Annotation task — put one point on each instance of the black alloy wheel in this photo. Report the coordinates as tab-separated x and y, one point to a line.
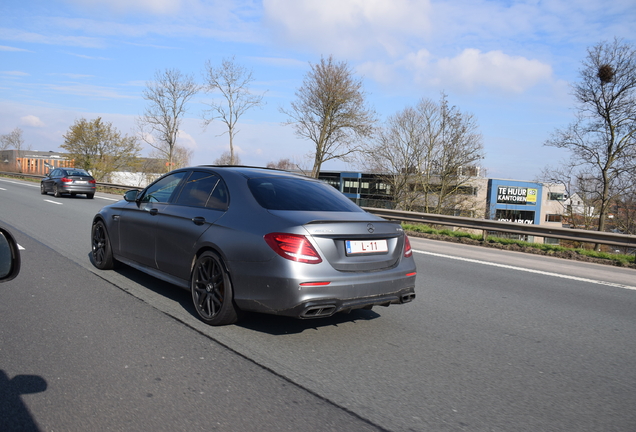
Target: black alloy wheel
101	250
42	189
212	291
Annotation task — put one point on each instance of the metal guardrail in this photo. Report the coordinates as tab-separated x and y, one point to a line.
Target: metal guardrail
586	236
580	235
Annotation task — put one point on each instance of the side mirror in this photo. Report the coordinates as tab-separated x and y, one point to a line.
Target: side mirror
131	195
9	256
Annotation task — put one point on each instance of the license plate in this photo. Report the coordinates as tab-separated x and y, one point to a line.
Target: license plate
80	182
366	246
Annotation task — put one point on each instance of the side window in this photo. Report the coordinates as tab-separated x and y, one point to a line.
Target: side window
220	198
197	189
204	189
161	190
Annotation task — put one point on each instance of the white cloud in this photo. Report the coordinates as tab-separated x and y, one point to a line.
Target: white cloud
186	140
349	27
31	120
14	73
494	69
73	75
220	19
30	37
86	56
91	91
379	71
8	48
472	70
159	7
281	62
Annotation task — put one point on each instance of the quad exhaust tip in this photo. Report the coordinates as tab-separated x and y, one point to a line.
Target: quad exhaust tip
319	311
407	297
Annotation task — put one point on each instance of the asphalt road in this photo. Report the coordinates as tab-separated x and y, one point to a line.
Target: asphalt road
495	341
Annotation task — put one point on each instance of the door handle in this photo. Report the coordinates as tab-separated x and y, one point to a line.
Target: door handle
198	220
153	211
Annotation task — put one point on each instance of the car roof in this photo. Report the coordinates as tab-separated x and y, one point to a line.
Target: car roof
253	172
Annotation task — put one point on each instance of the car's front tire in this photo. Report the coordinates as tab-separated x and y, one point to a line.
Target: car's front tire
212	292
101	250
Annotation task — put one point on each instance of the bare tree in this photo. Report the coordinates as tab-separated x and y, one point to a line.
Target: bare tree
285	164
330	110
227	159
429	153
168	96
181	157
399	152
13	140
602	140
100	148
460	150
233	82
624	209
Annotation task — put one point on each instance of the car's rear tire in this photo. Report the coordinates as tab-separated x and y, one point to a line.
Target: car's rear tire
212	292
56	192
42	189
90	195
101	250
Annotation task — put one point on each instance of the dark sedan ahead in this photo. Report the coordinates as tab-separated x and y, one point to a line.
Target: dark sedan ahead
253	239
68	181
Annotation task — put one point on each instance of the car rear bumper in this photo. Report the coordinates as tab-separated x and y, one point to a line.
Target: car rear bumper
328	307
81	189
299	297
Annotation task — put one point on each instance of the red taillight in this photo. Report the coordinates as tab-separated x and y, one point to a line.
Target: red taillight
306	284
407	247
91	181
66	180
294	247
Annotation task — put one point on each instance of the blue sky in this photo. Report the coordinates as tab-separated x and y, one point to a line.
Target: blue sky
509	63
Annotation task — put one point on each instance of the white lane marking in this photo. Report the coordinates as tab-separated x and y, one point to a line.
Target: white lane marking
54	202
104	198
576	278
21	184
20	247
2	189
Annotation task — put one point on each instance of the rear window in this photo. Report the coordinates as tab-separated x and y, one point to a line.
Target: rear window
77	172
299	194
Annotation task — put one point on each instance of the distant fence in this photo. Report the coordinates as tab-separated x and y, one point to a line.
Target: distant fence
579	235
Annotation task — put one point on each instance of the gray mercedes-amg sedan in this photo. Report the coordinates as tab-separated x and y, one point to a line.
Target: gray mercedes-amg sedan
255	239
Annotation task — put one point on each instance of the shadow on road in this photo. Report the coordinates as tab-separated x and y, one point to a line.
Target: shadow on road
270	324
280	325
14	415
